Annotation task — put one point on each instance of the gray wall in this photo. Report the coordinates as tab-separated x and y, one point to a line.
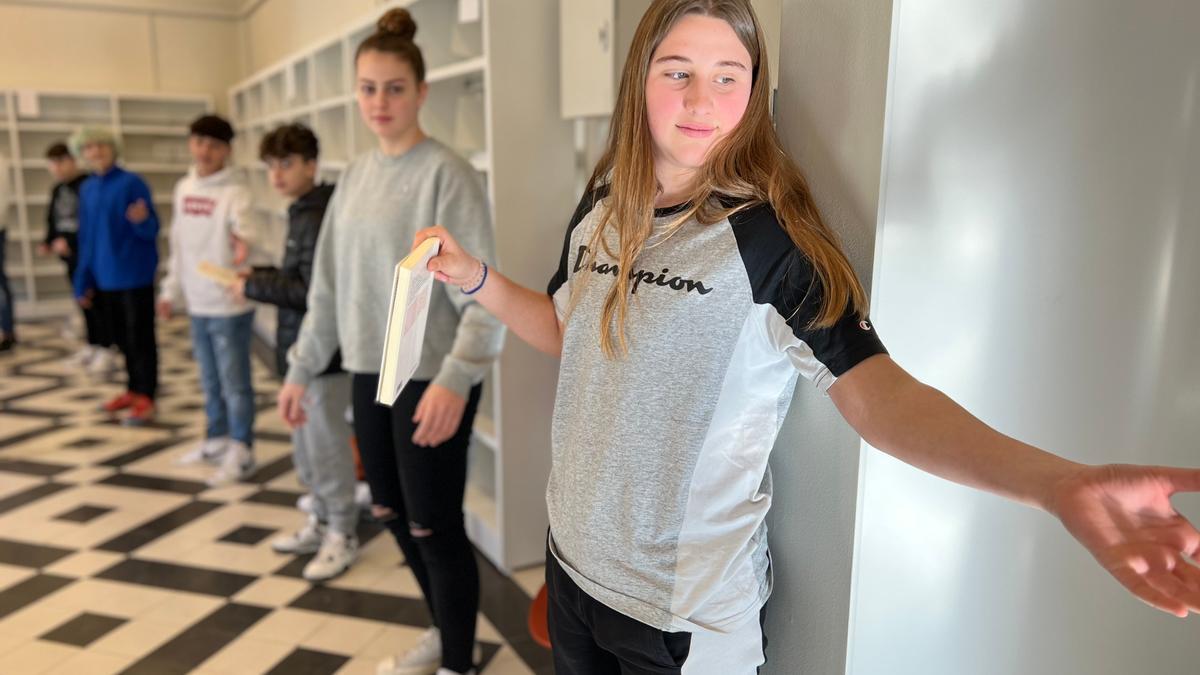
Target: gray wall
1037	261
830	111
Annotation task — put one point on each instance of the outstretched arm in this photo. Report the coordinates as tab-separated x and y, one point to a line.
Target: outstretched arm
1121	514
528	313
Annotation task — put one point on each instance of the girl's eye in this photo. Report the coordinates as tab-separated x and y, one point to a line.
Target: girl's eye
367	89
396	90
724	80
677	75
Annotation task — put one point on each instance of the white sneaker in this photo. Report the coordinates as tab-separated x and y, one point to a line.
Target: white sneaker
102	363
447	671
237	464
362	495
208	451
338	552
305	540
424	658
83	357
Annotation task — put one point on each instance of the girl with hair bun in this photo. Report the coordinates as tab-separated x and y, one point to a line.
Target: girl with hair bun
415	453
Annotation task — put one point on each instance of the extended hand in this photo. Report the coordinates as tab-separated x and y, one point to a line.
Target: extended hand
138	212
1124	517
438	415
240	250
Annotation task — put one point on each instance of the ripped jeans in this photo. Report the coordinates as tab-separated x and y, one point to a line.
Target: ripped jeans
421	490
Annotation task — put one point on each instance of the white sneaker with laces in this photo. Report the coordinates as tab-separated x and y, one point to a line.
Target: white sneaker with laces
83	357
338	552
447	671
237	464
208	451
424	658
102	363
305	540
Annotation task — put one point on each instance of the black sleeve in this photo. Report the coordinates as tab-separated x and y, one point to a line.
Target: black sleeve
288	288
586	204
782	276
277	287
51	210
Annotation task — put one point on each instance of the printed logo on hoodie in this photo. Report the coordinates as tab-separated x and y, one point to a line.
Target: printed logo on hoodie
199	206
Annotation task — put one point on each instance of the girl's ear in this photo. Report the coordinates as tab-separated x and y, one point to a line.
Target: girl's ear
422	93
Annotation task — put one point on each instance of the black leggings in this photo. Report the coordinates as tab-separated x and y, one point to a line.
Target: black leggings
424	488
129	315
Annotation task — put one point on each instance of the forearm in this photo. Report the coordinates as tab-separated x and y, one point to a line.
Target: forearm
529	314
923	427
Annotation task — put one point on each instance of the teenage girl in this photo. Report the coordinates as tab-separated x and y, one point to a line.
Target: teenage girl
414	453
697	281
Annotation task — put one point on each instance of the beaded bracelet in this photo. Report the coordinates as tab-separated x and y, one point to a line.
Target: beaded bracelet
482	280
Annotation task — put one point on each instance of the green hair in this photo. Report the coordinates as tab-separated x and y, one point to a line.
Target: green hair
86	135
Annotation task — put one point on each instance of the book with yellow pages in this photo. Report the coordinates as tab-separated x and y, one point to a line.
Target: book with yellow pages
412	285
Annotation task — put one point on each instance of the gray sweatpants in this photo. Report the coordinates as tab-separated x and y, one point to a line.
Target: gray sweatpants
322	455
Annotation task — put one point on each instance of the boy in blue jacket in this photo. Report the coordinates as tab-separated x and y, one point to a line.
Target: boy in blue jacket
118	257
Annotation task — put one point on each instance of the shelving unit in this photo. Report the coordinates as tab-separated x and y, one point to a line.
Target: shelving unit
513	135
153	131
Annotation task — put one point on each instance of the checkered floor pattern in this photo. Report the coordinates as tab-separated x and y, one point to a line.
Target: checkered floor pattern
114	560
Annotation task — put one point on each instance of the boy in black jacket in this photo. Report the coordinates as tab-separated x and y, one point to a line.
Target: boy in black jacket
62	239
321	448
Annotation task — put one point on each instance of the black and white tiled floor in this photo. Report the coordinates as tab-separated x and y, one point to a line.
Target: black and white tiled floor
114	560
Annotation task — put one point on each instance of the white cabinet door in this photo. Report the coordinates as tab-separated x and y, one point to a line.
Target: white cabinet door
587	68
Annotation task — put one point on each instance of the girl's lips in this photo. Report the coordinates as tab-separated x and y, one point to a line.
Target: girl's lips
695	131
381	120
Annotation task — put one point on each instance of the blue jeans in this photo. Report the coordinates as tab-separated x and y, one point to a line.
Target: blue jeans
6	297
221	345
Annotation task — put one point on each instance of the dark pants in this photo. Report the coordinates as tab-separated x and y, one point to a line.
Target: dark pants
129	314
424	488
589	638
97	336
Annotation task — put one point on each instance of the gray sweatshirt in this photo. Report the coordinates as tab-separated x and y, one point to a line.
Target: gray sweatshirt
378	206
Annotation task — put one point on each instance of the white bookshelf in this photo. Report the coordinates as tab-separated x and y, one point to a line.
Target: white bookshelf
153	131
494	99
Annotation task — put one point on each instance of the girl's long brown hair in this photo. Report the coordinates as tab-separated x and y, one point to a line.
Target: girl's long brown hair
746	167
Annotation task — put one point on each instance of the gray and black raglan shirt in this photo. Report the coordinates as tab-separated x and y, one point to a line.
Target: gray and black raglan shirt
660	485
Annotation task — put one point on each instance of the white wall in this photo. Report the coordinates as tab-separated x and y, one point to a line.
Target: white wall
829	112
117	48
277	28
1036	261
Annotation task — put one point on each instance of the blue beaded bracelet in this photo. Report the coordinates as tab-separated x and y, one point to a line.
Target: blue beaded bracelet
482	281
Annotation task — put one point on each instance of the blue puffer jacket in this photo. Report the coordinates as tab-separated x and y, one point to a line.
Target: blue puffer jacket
114	253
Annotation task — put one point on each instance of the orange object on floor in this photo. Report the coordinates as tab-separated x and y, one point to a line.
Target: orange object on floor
360	474
539	627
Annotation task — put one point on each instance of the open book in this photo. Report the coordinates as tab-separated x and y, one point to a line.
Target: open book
412	285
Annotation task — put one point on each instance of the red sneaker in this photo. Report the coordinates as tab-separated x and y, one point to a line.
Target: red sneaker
141	412
119	403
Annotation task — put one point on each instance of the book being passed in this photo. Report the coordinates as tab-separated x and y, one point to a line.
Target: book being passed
412	285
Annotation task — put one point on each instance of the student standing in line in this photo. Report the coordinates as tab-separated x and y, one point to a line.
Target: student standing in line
697	281
415	453
213	223
118	257
62	239
321	448
8	335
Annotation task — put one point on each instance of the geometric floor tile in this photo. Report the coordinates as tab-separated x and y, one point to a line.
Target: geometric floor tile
116	559
84	629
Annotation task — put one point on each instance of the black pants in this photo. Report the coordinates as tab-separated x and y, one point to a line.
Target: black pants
97	336
589	638
129	314
424	488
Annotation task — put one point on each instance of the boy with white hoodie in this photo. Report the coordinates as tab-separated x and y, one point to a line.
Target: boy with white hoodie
213	223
